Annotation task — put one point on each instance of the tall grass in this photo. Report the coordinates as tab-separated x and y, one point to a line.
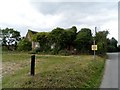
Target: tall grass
53	71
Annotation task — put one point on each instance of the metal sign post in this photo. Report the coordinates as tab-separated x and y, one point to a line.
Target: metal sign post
94	46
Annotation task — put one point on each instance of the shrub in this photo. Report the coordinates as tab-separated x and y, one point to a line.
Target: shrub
36	50
24	45
111	48
118	48
4	48
64	52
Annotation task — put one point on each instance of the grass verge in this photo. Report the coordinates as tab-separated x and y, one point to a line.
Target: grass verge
52	71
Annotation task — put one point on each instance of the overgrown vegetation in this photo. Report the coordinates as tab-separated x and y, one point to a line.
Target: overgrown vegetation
52	71
60	41
10	37
24	45
112	45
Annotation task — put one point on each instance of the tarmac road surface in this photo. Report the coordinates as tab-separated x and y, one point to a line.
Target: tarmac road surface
110	78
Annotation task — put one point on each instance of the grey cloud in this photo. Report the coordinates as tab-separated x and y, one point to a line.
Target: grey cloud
76	13
73	13
74	9
49	7
75	0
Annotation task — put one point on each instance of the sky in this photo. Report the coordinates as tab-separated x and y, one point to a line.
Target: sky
44	15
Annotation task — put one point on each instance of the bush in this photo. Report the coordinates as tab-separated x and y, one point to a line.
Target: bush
101	48
36	50
4	48
111	48
24	45
64	52
54	51
118	48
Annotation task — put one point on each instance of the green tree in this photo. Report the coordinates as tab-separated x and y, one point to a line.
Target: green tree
24	45
118	48
112	45
71	36
113	42
101	41
10	37
59	38
63	39
84	40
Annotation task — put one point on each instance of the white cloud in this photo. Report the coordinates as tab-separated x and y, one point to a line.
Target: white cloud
112	27
75	0
11	10
23	15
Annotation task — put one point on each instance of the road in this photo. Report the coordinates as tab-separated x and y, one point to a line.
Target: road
110	78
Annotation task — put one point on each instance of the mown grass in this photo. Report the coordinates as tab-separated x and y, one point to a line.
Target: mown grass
53	71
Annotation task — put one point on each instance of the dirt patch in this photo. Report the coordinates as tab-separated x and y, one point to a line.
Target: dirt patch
10	68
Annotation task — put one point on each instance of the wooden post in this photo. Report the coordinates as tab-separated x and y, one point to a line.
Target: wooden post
32	65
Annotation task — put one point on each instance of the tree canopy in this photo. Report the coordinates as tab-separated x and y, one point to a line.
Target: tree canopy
84	40
10	37
101	41
61	40
24	45
112	45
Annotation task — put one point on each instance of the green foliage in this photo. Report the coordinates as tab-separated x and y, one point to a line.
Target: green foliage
118	48
54	51
58	36
101	48
112	45
24	45
101	41
60	40
4	48
64	52
63	38
111	48
35	51
10	37
84	40
71	36
113	42
43	39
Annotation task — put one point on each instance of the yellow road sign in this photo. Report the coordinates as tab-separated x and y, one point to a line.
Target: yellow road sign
94	47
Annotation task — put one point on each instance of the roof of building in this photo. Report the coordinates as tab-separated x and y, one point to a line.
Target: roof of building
33	32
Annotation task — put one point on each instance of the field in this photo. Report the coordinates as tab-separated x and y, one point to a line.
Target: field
51	71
